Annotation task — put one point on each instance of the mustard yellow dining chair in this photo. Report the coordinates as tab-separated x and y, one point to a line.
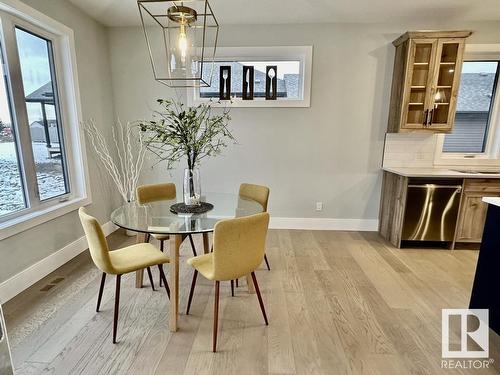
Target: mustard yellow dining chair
119	262
238	249
155	193
259	194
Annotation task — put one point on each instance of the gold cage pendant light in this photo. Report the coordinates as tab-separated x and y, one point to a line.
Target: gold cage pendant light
182	39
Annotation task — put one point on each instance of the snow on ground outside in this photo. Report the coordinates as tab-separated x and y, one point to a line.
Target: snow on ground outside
49	175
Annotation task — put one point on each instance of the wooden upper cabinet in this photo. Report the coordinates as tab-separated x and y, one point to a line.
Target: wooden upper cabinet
426	80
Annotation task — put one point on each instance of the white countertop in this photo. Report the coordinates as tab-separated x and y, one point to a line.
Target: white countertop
492	200
439	172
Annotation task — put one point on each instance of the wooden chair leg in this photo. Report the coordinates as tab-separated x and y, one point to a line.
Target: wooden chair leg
117	306
267	262
162	247
216	317
101	289
237	283
192	245
191	291
257	290
162	277
150	275
232	288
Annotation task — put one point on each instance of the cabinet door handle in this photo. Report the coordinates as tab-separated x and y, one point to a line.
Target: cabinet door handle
431	117
426	115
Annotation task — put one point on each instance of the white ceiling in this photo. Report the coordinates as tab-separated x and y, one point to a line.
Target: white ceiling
125	13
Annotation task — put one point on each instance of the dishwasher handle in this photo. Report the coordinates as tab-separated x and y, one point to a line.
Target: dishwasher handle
426	186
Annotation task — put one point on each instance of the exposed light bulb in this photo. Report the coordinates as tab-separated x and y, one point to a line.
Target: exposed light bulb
183	43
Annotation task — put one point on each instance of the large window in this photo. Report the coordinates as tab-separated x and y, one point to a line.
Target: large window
36	157
474	114
39	114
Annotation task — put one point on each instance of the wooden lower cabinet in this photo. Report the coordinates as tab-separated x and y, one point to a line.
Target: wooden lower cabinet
471	218
472	214
392	207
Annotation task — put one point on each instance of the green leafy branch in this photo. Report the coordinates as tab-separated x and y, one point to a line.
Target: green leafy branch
194	133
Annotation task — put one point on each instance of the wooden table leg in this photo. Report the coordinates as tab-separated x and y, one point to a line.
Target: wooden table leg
206	244
175	244
139	275
251	288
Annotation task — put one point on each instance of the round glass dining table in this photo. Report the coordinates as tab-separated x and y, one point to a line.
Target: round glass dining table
157	218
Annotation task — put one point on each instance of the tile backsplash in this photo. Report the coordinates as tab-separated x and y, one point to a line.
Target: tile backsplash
409	150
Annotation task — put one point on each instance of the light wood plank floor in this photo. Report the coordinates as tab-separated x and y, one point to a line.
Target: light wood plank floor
337	302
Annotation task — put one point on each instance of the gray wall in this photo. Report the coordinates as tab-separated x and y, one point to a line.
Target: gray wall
330	152
21	251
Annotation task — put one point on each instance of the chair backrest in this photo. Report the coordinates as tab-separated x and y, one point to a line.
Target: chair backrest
239	245
155	192
257	193
98	245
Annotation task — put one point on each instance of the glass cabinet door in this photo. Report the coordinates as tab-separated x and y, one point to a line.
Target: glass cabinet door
446	82
420	77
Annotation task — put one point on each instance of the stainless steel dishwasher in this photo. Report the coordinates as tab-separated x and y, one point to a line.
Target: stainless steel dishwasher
431	210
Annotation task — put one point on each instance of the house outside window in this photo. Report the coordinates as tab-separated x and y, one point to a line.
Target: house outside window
475	107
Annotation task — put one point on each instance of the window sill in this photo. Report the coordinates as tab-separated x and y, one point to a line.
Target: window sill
452	159
238	103
24	222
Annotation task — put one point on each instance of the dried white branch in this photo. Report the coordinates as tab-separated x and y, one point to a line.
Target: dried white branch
130	151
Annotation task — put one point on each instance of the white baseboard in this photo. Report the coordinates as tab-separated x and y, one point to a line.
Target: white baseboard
311	223
24	279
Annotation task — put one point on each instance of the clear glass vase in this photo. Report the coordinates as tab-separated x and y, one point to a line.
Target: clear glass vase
192	187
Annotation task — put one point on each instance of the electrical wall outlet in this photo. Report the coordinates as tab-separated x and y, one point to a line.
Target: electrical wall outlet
319	206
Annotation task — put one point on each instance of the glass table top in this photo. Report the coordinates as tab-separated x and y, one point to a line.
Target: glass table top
157	218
